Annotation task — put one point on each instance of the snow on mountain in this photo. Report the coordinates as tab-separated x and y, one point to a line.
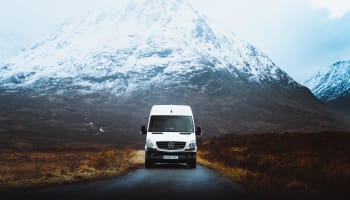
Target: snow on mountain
131	48
332	82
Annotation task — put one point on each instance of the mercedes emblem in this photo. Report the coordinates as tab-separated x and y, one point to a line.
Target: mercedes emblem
171	145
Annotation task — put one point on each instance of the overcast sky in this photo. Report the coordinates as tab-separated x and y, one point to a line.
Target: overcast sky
301	36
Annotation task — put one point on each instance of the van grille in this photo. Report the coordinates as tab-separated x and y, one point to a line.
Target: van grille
170	145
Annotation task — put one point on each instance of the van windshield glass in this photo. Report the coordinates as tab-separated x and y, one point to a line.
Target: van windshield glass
171	124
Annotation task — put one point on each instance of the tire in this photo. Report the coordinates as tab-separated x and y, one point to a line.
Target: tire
148	163
148	160
192	164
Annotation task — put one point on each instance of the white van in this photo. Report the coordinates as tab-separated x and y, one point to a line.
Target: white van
171	136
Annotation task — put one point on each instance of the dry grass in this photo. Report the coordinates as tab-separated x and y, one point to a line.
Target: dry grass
38	168
286	166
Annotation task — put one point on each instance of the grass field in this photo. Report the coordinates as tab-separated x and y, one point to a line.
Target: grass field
39	168
276	166
283	166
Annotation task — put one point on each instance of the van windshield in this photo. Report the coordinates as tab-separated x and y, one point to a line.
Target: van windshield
171	124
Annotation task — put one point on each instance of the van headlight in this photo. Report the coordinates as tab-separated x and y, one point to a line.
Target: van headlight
191	145
150	144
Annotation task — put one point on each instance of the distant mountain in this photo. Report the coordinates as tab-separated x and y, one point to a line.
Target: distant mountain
332	85
112	65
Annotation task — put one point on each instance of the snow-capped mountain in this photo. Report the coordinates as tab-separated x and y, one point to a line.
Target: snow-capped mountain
331	83
136	47
111	66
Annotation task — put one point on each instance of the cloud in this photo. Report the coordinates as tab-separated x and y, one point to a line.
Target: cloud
336	8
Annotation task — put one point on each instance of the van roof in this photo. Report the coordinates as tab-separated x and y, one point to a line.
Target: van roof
171	110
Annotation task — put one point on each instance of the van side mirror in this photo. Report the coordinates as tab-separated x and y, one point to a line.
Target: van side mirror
143	130
198	130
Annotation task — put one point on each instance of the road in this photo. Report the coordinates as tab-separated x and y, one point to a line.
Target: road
161	182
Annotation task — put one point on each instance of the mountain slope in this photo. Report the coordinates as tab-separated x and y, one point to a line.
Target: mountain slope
112	65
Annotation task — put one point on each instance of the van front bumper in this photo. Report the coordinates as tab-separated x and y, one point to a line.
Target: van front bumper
158	156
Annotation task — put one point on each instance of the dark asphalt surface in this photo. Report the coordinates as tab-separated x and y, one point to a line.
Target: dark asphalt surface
161	182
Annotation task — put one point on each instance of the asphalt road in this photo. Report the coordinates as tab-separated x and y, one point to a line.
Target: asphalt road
161	182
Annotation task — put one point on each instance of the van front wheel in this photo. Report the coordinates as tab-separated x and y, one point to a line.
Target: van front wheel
192	164
148	163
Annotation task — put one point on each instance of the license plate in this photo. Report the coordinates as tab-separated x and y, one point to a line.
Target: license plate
166	157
